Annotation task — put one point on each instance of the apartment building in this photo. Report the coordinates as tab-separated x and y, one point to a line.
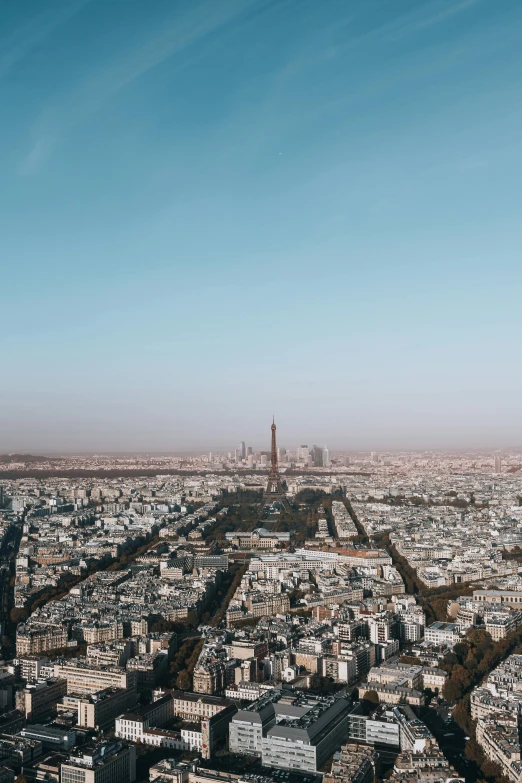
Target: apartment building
392	693
52	738
381	727
38	700
37	640
192	707
149	669
100	710
442	634
500	624
498	737
356	764
29	667
114	654
512	598
305	743
83	679
102	763
248	725
414	734
340	668
210	678
96	633
247	649
290	730
260	605
398	673
132	725
433	678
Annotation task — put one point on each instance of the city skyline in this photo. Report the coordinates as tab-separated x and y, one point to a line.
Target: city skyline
187	185
292	444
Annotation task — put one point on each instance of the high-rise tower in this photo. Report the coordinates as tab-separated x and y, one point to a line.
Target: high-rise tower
275	491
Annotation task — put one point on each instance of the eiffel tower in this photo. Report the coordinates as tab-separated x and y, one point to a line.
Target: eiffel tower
275	492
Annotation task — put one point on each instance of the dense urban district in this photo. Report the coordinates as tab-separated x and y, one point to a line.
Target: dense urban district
279	617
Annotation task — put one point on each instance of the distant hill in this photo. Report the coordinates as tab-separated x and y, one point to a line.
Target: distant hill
6	458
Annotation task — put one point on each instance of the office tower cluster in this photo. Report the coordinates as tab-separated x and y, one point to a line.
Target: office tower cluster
316	457
303	456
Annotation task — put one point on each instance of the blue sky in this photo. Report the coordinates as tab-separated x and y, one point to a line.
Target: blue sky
216	210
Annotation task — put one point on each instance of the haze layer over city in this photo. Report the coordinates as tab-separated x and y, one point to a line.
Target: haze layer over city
260	442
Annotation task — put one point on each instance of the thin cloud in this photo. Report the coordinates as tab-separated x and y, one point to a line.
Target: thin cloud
433	15
88	98
39	153
27	37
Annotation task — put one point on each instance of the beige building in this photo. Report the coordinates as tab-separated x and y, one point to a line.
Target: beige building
265	606
258	539
193	708
37	640
393	694
100	710
209	678
244	650
500	624
309	662
433	678
400	674
102	632
499	739
505	597
356	763
40	699
86	679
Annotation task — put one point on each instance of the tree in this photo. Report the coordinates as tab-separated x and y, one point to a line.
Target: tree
184	680
460	650
18	615
491	770
428	695
450	661
474	752
461	716
372	697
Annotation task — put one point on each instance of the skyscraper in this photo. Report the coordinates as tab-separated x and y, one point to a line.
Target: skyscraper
326	457
317	456
498	463
302	453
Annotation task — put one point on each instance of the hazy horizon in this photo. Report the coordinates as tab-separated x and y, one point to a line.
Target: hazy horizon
359	442
212	212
